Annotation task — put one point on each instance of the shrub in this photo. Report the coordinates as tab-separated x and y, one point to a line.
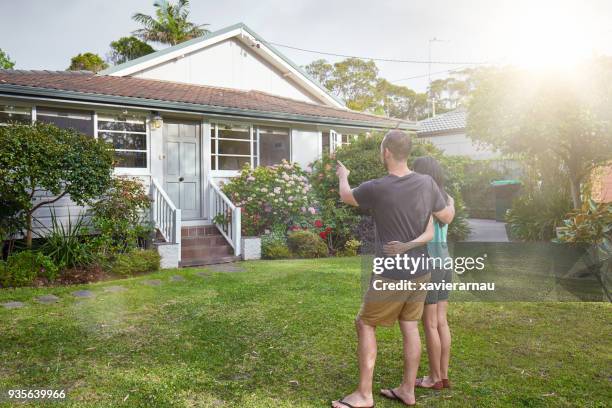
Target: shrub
306	244
270	197
591	224
274	246
22	268
350	248
136	261
65	245
119	216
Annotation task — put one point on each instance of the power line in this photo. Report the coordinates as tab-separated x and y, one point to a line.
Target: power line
447	71
378	59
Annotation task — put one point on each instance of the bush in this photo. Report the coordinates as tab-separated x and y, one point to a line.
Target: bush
350	248
65	244
306	244
119	217
270	197
22	268
274	246
136	261
591	224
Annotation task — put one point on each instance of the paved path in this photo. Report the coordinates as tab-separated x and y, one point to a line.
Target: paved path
487	231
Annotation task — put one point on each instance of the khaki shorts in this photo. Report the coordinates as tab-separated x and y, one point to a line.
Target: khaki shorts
385	307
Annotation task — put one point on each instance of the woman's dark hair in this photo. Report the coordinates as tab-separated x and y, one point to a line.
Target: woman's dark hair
430	166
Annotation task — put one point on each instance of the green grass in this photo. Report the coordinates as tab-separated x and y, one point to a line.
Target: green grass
238	339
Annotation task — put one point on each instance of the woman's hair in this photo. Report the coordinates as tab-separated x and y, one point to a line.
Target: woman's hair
430	166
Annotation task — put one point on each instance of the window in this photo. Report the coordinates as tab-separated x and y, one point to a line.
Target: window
128	136
80	121
232	147
332	140
274	145
11	113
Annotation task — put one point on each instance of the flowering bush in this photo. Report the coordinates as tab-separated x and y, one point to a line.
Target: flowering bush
271	197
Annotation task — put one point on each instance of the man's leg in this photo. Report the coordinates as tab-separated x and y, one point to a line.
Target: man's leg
366	352
445	338
430	323
412	357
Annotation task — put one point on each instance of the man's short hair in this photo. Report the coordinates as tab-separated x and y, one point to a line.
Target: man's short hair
399	144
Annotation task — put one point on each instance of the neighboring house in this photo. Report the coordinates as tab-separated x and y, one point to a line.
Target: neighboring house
188	116
447	132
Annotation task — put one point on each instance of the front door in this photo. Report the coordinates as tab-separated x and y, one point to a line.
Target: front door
182	166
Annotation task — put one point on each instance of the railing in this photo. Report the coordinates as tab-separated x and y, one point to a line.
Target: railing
165	215
225	215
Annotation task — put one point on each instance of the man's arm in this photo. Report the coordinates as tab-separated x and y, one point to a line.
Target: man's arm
447	214
346	194
397	247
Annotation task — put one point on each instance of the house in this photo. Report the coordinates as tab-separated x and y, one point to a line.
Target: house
185	117
447	132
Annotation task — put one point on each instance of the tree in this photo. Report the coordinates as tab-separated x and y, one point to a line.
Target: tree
171	25
547	118
401	102
87	62
42	158
354	80
128	48
322	71
5	61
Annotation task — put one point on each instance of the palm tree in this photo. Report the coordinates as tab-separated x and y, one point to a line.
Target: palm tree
170	26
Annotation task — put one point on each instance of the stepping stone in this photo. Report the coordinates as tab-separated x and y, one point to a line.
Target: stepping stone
115	289
226	268
177	278
83	294
153	282
13	305
203	274
47	299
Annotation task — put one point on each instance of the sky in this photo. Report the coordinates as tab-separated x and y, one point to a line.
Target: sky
42	34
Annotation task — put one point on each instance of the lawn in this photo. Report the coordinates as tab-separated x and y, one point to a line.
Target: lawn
281	334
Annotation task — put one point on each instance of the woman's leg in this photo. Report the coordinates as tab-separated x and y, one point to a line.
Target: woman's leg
430	323
444	338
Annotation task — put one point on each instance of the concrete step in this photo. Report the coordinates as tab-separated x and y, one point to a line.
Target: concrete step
202	252
199	231
209	261
207	240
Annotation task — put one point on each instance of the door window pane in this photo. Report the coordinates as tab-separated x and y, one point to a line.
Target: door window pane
80	121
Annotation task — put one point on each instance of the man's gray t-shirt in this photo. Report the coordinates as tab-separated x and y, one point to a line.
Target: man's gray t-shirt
401	207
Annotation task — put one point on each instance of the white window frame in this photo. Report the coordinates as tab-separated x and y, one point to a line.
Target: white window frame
21	105
214	154
129	171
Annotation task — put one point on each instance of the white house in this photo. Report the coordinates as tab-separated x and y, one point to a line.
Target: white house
187	116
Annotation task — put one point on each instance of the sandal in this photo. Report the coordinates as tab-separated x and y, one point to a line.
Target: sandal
395	397
446	383
349	405
437	386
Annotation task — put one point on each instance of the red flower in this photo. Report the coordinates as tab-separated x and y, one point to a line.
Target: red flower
328	230
294	228
318	223
323	234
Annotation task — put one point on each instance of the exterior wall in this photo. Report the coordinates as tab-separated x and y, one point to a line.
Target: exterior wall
228	64
602	184
458	144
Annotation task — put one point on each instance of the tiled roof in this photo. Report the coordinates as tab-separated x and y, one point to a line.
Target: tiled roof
198	97
453	120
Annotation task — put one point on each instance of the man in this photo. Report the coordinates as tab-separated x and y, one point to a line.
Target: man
402	204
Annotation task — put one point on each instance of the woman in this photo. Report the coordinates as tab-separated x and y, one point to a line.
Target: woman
437	332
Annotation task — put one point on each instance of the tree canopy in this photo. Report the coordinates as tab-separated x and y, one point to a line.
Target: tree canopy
128	48
5	61
170	25
87	61
42	158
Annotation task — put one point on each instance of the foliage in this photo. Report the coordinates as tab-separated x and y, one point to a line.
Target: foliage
5	61
274	246
270	197
350	248
560	120
21	268
119	218
136	261
42	158
535	215
477	191
306	244
65	243
87	61
592	224
170	24
128	48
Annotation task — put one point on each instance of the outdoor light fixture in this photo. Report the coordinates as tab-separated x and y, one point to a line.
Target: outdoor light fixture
157	121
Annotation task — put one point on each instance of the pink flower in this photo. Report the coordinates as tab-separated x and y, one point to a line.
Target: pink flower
312	210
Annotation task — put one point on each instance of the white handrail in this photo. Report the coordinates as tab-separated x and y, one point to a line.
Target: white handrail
165	215
230	223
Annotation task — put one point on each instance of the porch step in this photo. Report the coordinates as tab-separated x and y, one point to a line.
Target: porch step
204	245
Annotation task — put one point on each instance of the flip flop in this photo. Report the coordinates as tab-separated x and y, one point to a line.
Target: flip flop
446	382
394	397
437	386
346	404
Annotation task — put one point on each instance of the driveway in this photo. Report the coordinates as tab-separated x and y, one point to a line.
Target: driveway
487	231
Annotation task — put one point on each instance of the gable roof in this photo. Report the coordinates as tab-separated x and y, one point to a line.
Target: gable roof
444	123
242	32
156	94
